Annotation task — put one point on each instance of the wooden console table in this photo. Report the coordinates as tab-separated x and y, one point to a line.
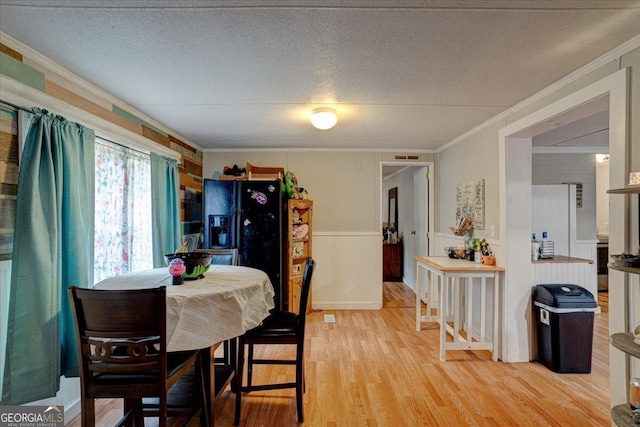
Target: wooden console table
392	262
455	276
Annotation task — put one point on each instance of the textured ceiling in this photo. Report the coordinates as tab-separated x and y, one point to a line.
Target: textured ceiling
245	74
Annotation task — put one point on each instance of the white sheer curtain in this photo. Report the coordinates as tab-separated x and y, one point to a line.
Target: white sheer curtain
123	237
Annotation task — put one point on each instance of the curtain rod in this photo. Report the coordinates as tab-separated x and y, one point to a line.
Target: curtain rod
120	145
17	107
30	110
146	151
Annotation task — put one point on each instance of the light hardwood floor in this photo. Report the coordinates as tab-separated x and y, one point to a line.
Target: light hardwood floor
371	368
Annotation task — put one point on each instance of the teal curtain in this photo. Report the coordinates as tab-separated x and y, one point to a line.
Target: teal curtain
52	250
165	207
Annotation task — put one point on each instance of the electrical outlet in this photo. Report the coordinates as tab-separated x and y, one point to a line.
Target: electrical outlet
492	230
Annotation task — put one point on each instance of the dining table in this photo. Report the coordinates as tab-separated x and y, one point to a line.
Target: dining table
201	314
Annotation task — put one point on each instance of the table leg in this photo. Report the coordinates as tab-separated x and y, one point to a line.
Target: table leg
207	360
443	317
418	308
496	316
223	376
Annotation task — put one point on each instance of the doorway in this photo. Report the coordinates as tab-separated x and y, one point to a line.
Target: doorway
414	194
515	187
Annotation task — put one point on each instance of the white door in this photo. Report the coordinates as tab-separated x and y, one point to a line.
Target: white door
420	232
421	211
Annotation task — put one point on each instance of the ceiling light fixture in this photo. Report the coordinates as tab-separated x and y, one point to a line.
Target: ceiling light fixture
324	118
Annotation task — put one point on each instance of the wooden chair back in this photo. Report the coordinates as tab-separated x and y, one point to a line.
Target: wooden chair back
121	332
222	256
121	337
309	267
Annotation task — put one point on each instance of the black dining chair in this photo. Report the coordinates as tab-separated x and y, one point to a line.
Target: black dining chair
228	256
280	327
222	256
121	337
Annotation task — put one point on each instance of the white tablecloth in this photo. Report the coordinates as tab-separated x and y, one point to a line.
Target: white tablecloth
227	302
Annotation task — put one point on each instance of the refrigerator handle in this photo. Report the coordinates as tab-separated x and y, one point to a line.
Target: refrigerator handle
237	215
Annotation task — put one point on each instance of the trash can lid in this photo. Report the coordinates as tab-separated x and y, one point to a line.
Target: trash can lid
564	296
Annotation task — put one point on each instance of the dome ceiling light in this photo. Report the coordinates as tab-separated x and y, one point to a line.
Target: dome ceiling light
324	118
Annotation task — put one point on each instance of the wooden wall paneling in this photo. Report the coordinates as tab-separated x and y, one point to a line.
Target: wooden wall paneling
182	144
8	173
187	154
147	132
8	147
7	213
192	168
76	100
8	123
12	53
15	69
190	182
8	179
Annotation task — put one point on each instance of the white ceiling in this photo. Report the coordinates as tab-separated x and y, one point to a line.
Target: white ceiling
245	74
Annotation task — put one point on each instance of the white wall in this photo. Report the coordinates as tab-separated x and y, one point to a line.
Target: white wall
345	187
560	168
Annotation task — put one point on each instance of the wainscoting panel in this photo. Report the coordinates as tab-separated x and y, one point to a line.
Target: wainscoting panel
348	275
566	273
582	274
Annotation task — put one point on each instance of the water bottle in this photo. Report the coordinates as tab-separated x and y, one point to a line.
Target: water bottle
535	249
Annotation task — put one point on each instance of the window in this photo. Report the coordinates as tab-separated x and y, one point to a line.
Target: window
123	241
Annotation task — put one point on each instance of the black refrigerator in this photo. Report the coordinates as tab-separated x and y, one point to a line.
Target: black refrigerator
247	215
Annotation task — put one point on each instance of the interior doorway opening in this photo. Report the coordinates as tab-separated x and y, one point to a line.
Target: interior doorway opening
410	186
515	151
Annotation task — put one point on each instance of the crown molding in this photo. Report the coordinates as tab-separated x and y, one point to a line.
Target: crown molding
399	151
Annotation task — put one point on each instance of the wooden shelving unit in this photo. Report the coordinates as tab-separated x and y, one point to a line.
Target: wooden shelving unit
299	247
620	414
631	189
625	269
624	341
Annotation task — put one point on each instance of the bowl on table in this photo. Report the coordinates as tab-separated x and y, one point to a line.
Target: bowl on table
196	263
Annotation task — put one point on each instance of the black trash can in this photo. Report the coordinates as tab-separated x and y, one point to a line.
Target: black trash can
564	327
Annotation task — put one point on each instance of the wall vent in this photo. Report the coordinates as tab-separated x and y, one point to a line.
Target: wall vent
401	157
413	157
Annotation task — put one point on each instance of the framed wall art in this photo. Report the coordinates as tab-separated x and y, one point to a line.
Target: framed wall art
470	202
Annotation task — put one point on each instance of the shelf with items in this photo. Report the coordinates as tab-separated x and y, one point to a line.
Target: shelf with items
621	415
299	247
633	270
624	341
631	189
